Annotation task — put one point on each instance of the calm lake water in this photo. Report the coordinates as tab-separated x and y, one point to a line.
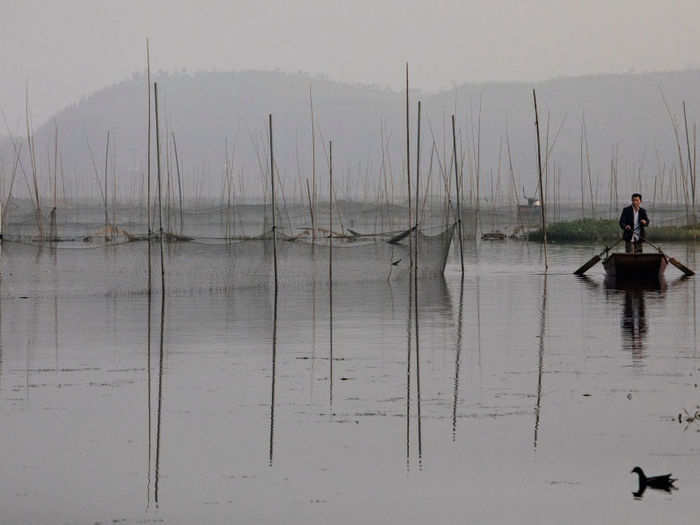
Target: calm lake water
528	399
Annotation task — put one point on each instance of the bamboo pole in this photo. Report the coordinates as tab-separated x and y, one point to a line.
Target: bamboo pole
691	165
415	292
272	181
681	167
330	270
583	214
542	193
32	156
512	173
179	181
55	165
276	291
695	150
107	238
459	207
160	191
408	169
313	165
588	166
417	200
477	164
311	206
53	232
148	168
114	189
3	212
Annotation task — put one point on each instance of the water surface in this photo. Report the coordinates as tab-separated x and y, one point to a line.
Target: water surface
537	394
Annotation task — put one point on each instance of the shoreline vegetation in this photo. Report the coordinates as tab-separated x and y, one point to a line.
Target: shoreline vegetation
601	230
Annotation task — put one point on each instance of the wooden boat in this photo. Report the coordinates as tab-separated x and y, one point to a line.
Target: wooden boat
635	267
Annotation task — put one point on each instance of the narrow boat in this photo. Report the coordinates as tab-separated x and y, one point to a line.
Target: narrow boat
631	267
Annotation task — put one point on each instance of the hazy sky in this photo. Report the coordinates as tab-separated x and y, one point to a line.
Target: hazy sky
65	49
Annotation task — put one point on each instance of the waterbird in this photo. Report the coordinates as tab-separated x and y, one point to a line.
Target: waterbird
663	482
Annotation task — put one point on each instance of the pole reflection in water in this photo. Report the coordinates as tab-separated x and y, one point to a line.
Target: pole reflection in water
409	326
543	322
458	354
330	272
149	397
478	325
159	412
312	377
55	297
690	251
415	294
274	376
418	397
330	334
0	324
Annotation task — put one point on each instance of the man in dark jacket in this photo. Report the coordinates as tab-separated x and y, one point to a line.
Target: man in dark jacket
633	221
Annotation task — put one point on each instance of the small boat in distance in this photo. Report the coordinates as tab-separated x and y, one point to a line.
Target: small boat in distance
635	267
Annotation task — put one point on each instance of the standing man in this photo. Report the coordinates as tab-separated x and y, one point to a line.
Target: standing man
633	221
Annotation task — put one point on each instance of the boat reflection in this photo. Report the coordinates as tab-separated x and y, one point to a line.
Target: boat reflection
633	321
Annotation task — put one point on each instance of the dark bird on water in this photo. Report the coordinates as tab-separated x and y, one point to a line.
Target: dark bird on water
663	482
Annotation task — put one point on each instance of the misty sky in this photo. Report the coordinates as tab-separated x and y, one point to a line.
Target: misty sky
69	48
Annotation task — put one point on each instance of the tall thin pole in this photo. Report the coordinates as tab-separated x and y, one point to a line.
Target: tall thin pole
583	213
459	207
330	267
691	165
148	242
415	294
417	200
106	186
274	255
160	190
313	165
179	181
162	293
408	166
55	168
542	193
274	220
148	162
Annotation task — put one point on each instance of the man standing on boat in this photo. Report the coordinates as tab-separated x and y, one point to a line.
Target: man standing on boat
633	221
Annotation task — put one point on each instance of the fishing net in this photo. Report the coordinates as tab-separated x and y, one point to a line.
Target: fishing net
209	249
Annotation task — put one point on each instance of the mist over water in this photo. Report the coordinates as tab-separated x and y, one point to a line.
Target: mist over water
300	283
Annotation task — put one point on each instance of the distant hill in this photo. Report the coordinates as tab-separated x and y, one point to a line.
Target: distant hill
212	111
